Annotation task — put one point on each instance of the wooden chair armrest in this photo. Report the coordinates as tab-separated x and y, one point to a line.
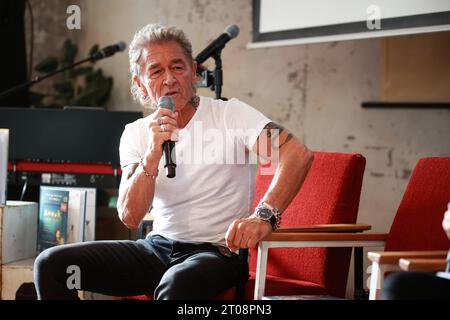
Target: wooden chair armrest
325	236
392	257
342	228
428	265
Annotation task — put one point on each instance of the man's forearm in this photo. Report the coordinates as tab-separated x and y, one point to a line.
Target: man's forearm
135	198
295	161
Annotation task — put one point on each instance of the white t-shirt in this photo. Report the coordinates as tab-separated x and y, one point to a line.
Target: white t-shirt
214	180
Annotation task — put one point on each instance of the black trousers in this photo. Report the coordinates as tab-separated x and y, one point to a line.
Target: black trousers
415	286
169	269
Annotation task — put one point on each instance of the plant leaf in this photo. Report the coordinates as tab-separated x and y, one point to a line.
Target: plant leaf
94	50
47	65
36	99
95	94
96	76
70	51
82	71
64	88
107	92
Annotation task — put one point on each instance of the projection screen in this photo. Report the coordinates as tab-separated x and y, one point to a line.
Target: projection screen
290	22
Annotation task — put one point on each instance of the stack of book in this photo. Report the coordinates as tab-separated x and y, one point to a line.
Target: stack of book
66	215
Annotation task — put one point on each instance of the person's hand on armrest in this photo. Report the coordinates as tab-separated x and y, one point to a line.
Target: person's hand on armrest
446	222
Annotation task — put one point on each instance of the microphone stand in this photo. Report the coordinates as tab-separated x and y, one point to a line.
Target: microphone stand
213	79
38	79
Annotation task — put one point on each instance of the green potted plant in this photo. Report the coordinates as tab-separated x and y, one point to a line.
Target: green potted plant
82	86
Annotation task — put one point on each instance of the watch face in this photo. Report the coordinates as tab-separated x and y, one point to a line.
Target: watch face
265	213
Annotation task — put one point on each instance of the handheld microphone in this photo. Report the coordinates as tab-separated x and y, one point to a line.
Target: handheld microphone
168	146
109	50
231	32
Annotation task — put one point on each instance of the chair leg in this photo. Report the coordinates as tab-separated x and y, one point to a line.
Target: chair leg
359	292
377	278
260	281
376	281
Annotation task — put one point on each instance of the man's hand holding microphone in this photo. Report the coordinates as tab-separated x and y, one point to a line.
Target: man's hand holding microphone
163	134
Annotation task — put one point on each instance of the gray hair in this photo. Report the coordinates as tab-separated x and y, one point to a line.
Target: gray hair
149	34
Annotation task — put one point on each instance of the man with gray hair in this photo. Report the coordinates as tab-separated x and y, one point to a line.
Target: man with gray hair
204	214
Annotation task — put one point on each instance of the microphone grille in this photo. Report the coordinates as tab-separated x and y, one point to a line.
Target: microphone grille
121	45
166	102
232	30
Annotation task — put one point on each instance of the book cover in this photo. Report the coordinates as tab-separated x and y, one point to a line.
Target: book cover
53	212
81	213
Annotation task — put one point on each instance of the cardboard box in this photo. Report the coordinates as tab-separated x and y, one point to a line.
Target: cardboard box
18	231
13	275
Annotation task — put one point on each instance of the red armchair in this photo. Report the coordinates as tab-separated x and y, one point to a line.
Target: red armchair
417	223
329	195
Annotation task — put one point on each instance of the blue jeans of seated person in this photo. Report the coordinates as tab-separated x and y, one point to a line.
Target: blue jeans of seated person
169	269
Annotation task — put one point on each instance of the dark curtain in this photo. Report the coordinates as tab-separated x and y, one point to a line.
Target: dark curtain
13	62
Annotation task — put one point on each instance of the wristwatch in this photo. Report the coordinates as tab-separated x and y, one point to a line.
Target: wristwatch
266	212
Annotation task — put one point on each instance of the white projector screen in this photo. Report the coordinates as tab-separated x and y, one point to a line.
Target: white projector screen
289	22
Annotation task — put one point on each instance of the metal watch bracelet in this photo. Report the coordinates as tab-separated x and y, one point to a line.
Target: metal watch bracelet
275	219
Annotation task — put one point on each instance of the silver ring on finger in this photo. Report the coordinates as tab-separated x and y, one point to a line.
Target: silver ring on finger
163	128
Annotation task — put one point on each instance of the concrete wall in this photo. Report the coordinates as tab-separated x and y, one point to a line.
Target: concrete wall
313	90
50	32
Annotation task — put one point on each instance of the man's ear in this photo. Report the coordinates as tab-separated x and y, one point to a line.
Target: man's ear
194	69
138	82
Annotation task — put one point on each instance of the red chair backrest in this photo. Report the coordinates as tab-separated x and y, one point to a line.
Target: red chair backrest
330	194
418	222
